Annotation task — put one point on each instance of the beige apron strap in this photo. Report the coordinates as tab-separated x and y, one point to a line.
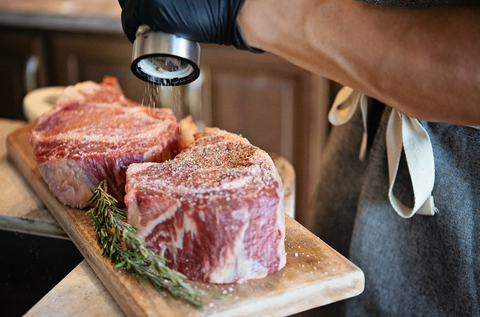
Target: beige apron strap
343	108
407	133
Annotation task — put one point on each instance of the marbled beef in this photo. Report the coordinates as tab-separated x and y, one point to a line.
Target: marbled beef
216	210
94	133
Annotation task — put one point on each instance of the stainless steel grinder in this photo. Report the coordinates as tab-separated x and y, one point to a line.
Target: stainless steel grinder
164	59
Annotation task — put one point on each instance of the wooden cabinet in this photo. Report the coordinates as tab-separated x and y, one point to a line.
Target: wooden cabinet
21	68
279	107
79	57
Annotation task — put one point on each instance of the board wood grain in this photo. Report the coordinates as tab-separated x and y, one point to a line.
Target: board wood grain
315	274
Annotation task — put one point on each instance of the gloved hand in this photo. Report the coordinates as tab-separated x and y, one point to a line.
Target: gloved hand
204	21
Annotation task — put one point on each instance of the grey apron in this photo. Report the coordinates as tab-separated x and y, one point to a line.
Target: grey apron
420	266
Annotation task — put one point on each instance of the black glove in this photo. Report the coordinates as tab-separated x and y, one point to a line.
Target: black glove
204	21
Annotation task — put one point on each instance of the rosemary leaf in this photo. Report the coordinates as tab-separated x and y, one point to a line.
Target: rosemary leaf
113	234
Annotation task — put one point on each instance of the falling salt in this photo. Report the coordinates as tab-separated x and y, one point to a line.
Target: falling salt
224	292
296	254
231	289
210	305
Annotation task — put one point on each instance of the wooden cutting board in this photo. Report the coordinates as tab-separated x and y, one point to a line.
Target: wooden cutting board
315	274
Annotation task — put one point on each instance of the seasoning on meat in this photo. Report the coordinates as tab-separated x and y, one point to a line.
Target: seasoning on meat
216	210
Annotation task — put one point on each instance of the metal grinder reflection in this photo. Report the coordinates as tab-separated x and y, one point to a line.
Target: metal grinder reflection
164	59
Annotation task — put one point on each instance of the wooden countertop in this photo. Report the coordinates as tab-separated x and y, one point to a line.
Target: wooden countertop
80	293
63	15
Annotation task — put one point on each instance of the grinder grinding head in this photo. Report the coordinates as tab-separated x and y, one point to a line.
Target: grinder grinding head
164	59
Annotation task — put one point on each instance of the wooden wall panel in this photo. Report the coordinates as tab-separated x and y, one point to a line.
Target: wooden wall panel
258	107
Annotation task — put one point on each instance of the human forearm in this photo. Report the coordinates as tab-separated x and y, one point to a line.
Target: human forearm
424	62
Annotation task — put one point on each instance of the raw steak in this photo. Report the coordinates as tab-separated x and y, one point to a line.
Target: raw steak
216	210
94	133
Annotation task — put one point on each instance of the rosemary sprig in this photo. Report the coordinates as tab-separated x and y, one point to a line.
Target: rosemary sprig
113	235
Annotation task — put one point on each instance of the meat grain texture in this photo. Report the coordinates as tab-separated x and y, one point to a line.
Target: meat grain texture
94	133
216	210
